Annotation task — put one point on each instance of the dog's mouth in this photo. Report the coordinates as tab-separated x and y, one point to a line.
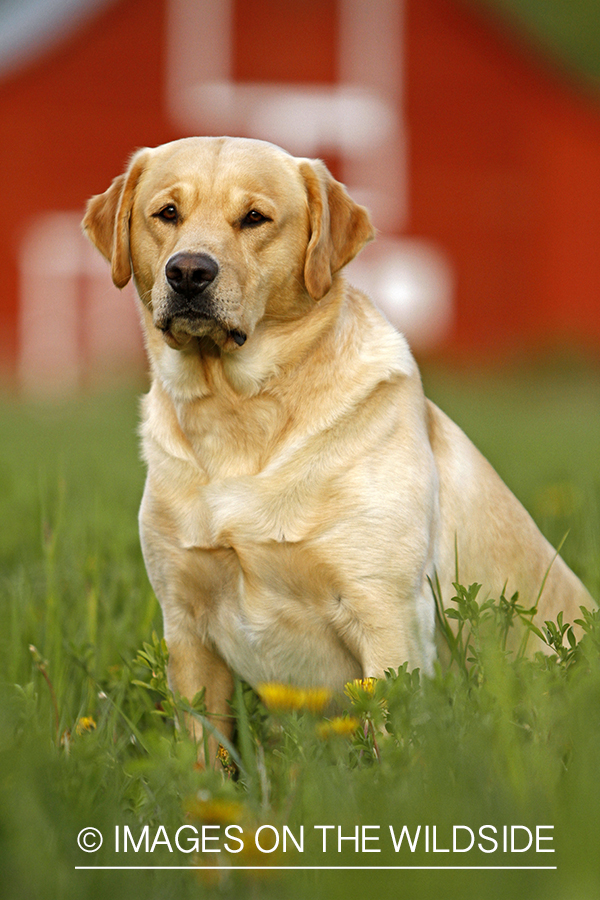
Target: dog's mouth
177	340
238	337
179	331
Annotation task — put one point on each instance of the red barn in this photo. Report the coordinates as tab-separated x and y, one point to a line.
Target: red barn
480	164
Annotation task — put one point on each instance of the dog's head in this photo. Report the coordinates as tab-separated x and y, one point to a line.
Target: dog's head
221	232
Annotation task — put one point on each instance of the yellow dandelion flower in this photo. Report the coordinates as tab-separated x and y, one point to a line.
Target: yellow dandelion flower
316	699
558	499
259	850
225	759
287	698
215	811
85	723
341	726
354	689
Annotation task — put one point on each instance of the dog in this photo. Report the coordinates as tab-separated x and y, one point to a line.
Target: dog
301	490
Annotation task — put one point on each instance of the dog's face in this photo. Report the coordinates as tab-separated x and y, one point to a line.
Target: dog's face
221	233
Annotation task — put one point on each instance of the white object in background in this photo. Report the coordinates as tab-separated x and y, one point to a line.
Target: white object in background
359	120
412	284
73	322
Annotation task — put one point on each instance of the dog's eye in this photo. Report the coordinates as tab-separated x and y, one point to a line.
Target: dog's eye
254	217
167	214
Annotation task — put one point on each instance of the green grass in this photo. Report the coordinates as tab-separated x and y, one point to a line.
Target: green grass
507	741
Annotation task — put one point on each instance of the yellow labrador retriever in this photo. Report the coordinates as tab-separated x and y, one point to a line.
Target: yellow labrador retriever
301	488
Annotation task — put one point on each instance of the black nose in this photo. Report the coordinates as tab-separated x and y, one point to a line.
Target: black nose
190	273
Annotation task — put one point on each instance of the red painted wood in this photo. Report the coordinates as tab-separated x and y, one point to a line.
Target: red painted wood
504	155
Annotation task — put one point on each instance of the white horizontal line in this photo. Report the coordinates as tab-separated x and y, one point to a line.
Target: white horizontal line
328	868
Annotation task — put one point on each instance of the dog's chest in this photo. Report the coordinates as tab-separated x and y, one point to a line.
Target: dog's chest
229	439
248	512
261	586
275	623
236	484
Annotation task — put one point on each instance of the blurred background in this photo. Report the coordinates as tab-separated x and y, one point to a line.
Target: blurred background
471	129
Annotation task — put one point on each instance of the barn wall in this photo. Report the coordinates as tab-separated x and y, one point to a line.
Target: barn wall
503	156
505	173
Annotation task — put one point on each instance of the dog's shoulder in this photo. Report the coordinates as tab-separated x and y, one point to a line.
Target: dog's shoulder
379	346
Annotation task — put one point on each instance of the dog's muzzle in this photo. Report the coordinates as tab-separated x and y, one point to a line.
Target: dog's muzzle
188	275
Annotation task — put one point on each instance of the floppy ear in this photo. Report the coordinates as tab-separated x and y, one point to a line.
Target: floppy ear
106	221
339	227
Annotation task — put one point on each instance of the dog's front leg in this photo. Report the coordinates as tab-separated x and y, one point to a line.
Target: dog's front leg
383	632
189	583
192	666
